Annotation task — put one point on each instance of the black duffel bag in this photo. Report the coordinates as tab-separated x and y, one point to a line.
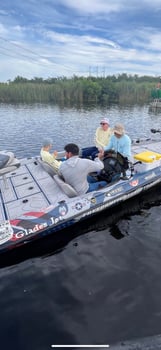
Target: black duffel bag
114	165
112	168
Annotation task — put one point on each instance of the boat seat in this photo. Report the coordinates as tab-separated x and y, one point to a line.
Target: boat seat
66	188
8	163
47	167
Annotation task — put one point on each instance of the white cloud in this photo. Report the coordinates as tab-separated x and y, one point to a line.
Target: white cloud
109	6
3	30
93	6
55	42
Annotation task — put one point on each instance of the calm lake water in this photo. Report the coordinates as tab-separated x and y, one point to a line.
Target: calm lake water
99	282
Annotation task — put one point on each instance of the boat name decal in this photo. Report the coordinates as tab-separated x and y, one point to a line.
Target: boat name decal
38	227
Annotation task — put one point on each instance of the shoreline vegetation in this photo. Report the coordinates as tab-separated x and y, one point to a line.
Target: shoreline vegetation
120	89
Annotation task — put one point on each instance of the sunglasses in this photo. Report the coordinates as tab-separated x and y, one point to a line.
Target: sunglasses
103	123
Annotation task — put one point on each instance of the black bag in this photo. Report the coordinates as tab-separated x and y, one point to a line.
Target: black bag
112	168
123	161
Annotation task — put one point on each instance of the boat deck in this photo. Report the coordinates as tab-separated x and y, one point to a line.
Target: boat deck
27	188
154	146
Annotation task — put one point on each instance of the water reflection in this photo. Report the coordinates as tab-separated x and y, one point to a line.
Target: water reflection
154	111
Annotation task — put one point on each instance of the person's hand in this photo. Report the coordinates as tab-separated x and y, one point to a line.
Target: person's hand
101	153
55	153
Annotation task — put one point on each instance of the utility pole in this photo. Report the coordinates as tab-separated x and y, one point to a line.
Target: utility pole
97	71
103	72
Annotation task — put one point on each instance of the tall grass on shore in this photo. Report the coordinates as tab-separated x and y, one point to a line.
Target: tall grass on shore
79	90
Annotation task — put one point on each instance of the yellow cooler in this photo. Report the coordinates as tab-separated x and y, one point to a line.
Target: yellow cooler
149	160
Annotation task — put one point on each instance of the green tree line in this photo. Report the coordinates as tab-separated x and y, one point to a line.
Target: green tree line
122	89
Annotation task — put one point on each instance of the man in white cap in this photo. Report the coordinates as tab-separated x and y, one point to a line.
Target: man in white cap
102	137
119	142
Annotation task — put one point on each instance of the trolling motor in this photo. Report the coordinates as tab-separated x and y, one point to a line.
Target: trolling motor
155	130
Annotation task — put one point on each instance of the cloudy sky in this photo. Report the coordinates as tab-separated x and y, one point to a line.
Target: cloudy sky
50	38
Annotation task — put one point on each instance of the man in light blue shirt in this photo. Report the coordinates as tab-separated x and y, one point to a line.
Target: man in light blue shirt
119	142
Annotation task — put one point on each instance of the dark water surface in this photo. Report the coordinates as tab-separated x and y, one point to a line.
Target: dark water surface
95	283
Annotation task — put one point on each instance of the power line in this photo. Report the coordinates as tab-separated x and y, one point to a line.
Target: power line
31	58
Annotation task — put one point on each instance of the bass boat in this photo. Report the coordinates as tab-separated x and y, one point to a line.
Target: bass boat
36	202
155	104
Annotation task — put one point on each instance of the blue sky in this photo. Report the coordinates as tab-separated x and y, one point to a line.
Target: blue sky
51	38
